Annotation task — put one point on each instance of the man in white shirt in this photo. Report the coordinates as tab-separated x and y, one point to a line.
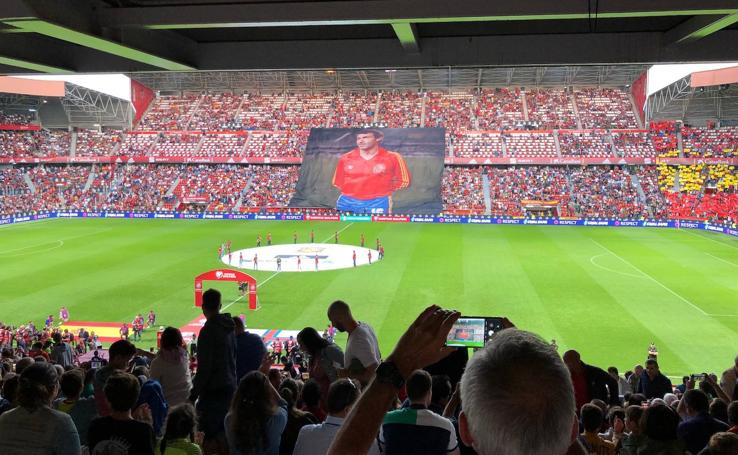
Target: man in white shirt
362	355
315	439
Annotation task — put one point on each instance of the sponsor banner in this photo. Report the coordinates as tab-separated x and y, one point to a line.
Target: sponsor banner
452	219
115	215
20	219
689	224
733	232
596	223
423	219
68	214
322	217
508	221
356	218
537	222
43	216
13	126
268	217
240	216
6	221
479	221
213	216
292	217
172	215
558	222
391	218
709	227
140	215
659	224
184	216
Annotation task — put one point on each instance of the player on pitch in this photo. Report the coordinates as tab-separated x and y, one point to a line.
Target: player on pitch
368	175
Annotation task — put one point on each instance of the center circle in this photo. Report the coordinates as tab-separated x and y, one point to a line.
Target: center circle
330	257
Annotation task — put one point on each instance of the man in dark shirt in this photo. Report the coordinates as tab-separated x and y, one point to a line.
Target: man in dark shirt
590	382
119	432
695	430
653	384
250	349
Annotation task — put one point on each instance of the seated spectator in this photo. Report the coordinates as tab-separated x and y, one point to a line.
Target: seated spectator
729	380
315	439
180	437
82	410
151	397
623	385
325	359
440	393
257	417
697	427
171	367
632	436
719	410
723	443
652	383
34	427
659	432
9	392
311	398
733	417
119	432
417	429
250	349
590	382
592	420
296	419
501	392
120	354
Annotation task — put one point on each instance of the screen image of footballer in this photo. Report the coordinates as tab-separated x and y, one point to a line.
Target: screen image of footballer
372	170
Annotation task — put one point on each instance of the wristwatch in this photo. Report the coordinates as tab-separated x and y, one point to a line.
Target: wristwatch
387	373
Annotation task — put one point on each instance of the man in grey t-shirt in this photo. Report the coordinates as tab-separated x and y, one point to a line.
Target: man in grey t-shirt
362	354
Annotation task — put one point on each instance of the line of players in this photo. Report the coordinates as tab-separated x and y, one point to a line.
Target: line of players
225	249
137	326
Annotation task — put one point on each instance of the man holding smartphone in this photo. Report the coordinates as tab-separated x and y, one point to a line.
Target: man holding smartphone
362	355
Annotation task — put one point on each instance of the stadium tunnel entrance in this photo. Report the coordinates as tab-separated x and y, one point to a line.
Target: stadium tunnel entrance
226	275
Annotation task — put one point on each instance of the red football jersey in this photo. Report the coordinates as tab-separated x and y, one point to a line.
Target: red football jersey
365	179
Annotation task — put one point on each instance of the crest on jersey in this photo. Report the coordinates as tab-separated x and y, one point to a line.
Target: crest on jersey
379	168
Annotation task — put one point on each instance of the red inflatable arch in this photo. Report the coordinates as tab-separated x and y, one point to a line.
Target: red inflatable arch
225	275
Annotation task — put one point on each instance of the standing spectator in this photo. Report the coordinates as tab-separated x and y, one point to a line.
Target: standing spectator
33	427
315	439
256	418
659	430
215	381
61	354
119	356
82	410
635	379
632	437
652	383
697	427
119	432
311	398
171	367
250	349
180	437
733	417
590	382
362	355
416	429
623	385
325	359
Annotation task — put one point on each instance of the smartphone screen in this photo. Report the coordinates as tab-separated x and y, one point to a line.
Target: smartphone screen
473	331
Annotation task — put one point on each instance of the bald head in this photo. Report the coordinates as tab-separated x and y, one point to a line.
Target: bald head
340	316
573	361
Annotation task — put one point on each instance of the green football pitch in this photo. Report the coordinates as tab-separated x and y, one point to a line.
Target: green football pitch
607	292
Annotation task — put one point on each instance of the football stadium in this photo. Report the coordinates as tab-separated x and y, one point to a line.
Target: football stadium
310	227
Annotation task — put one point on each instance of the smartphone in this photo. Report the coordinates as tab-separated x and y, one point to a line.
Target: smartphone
305	376
473	331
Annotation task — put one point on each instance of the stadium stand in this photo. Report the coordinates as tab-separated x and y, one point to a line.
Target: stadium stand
226	144
511	185
169	145
461	189
633	144
499	109
523	144
452	111
14	117
169	113
584	143
709	142
399	110
270	186
215	111
97	143
550	109
604	108
353	110
476	144
602	192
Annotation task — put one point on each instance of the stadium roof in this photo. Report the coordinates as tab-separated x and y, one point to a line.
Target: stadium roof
447	79
183	35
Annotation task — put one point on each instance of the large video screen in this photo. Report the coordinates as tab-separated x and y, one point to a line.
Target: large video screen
372	170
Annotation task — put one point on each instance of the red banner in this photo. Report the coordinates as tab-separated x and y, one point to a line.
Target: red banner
14	127
323	217
141	98
226	275
391	218
638	90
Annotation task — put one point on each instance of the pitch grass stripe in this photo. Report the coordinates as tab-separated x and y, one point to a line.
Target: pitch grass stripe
652	279
277	273
710	239
722	260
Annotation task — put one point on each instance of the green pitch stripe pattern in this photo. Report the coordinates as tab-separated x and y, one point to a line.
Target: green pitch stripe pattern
608	292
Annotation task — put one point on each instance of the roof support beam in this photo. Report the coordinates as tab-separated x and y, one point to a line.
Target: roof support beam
408	36
699	27
32	66
46	28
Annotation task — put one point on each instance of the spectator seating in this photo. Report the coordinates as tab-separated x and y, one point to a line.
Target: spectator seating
258	112
633	144
222	144
97	143
523	144
452	111
648	178
664	138
510	185
709	142
400	109
584	143
215	111
604	192
354	110
499	109
271	186
14	117
264	144
604	108
477	144
184	144
550	109
169	113
137	144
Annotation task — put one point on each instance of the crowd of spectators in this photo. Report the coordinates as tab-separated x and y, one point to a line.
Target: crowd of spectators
509	186
399	109
8	117
710	142
550	109
352	110
499	109
461	189
633	143
169	113
228	394
605	108
219	187
530	144
97	143
600	192
451	111
34	144
584	143
215	111
271	186
476	144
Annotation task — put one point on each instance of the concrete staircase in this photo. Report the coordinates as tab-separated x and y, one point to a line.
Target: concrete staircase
29	183
487	196
636	182
90	178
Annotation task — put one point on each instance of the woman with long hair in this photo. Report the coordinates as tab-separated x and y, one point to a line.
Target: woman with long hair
324	359
33	426
296	418
171	367
257	417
